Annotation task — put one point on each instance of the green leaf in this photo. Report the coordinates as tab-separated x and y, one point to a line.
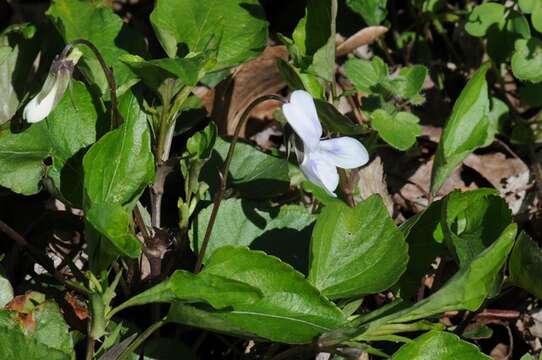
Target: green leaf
76	19
366	75
356	251
473	220
315	37
114	222
525	265
21	159
189	70
43	334
423	247
469	287
200	145
410	81
71	128
527	60
117	169
465	131
501	39
290	75
297	80
337	122
536	17
483	17
372	11
240	222
182	286
62	136
477	332
439	345
498	113
399	130
120	165
190	25
528	6
16	59
291	310
254	173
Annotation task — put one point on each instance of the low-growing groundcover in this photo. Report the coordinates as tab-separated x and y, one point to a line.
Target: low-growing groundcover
244	179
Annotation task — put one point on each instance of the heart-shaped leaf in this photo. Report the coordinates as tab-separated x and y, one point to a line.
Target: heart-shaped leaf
356	251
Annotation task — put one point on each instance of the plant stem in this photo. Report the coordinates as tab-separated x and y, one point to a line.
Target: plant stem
115	119
224	175
140	339
168	116
90	348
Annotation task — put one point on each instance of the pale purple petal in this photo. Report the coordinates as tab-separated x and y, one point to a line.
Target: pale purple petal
344	152
301	115
320	172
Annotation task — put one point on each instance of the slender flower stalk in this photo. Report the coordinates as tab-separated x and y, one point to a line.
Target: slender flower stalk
319	159
224	175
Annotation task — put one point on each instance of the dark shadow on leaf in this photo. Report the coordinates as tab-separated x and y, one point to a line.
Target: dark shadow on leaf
289	245
255	10
256	189
249	209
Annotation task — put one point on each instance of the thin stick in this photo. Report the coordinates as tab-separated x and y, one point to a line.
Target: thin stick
537	169
224	175
40	258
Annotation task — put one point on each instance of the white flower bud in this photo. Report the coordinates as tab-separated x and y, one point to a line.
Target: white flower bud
53	89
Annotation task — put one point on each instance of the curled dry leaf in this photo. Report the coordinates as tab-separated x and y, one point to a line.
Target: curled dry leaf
251	80
510	176
371	181
363	37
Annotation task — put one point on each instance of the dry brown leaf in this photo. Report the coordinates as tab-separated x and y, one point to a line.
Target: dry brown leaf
78	305
251	80
365	36
371	181
416	190
499	352
432	133
510	176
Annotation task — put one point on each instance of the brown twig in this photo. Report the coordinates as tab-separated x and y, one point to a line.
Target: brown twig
537	169
39	257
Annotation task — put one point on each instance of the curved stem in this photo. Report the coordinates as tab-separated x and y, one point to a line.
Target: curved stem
140	339
224	175
107	71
